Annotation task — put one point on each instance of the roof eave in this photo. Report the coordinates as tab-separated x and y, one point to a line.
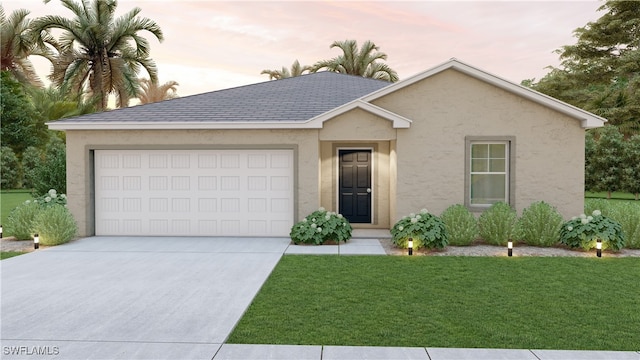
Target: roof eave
141	125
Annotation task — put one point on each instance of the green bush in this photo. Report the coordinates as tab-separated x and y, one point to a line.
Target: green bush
20	220
583	231
628	215
602	205
10	168
461	225
55	225
539	225
321	226
50	198
497	224
425	229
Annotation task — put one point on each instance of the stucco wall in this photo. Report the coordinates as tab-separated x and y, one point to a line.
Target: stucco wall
80	143
449	106
358	129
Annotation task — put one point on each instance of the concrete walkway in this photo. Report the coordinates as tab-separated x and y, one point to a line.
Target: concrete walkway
174	298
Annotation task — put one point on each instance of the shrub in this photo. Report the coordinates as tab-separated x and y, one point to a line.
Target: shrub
603	205
55	225
10	166
50	198
539	225
321	226
628	215
461	225
497	224
425	229
583	231
20	221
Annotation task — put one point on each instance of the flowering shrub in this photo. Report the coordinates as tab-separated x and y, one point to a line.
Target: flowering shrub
461	225
425	229
51	198
498	224
321	226
583	231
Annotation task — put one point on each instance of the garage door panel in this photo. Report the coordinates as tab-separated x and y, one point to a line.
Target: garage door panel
194	192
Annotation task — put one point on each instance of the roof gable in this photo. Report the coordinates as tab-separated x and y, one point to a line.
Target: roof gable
587	119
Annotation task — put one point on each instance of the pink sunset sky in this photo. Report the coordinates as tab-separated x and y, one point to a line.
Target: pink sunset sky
212	45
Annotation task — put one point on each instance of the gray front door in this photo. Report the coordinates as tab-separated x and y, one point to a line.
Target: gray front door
355	185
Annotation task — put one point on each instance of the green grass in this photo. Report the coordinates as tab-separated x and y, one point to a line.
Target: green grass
467	302
8	254
9	199
614	195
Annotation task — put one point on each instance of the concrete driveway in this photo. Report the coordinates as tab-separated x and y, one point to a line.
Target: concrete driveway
131	297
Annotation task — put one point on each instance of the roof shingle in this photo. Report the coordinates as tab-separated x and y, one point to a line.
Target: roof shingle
294	99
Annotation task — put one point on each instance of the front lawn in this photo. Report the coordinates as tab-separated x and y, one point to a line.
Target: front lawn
463	302
8	254
9	200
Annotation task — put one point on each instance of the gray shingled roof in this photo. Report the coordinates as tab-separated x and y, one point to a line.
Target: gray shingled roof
294	99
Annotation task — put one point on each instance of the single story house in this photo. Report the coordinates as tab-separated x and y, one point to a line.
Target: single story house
252	160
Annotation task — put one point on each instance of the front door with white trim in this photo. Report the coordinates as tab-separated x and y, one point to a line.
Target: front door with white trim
355	189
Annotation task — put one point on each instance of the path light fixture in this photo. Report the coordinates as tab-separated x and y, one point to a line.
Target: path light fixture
0	231
410	245
510	248
599	248
36	241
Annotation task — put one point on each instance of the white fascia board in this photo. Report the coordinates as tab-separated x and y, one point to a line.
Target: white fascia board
150	125
399	122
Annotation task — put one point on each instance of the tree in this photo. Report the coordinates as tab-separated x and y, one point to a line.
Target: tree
590	174
296	70
53	103
601	72
98	52
607	163
631	169
363	62
151	92
16	45
10	178
21	126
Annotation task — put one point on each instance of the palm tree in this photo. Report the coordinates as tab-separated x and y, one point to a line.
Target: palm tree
151	92
363	62
99	53
296	70
16	45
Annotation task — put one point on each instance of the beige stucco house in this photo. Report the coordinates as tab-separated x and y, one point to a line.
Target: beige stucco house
255	159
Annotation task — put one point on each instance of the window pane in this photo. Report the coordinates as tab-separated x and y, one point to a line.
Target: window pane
496	165
496	151
479	151
487	189
479	165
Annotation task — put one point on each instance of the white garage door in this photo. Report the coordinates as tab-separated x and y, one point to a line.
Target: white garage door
194	192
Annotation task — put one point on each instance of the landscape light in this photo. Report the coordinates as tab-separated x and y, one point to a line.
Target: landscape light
0	231
36	241
599	247
410	246
510	248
